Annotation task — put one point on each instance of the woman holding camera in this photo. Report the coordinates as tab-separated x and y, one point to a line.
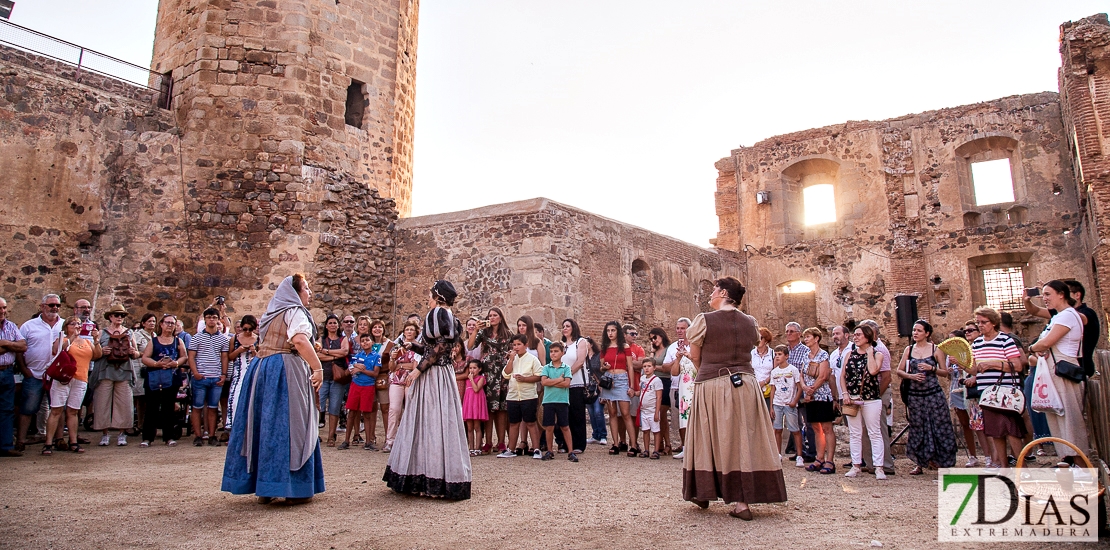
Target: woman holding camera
1060	342
730	447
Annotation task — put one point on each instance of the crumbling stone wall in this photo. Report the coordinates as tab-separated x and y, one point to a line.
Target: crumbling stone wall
95	205
552	261
1084	79
907	222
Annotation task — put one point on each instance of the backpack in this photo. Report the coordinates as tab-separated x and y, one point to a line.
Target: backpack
119	348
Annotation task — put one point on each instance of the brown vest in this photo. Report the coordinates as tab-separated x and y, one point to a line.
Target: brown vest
275	340
730	336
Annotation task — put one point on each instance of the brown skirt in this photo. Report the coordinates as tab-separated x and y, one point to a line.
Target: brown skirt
1001	424
730	445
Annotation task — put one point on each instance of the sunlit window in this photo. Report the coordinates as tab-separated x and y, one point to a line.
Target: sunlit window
993	182
798	287
820	204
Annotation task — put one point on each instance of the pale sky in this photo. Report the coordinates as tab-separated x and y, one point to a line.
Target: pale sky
621	107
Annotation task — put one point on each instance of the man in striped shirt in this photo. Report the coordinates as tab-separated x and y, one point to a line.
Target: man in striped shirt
208	365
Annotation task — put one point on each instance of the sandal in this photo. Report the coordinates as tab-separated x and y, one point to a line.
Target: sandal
47	450
633	451
655	456
76	448
344	446
827	468
645	455
813	466
331	443
916	471
614	450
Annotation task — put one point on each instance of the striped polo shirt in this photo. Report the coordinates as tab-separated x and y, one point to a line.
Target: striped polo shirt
208	347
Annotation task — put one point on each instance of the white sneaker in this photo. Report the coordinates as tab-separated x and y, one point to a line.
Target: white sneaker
592	440
537	455
144	444
855	472
880	474
800	462
972	462
171	443
507	454
121	440
105	440
603	441
679	455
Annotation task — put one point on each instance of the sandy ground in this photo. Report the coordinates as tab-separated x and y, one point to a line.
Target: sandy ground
113	497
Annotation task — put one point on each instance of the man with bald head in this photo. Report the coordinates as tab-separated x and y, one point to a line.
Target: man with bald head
11	343
40	333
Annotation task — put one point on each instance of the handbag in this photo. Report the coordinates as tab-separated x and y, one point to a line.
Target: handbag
1003	398
606	381
849	409
340	375
160	379
1067	369
63	368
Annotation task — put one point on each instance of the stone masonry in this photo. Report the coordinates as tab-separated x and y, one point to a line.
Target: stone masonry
552	261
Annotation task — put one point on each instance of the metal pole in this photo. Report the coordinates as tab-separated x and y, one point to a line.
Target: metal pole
80	58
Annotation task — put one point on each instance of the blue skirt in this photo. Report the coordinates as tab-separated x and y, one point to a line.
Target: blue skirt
268	475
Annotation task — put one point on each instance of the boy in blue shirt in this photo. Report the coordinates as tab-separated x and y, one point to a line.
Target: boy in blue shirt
364	369
556	398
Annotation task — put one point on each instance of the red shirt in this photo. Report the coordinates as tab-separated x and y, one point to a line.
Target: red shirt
637	353
617	361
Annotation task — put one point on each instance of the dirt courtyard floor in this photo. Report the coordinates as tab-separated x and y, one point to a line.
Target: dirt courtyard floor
114	497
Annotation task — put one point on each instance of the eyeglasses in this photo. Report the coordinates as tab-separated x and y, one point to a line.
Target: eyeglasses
117	315
53	305
349	322
633	334
83	307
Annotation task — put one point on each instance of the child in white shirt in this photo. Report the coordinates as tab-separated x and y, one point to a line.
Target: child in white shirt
651	394
786	389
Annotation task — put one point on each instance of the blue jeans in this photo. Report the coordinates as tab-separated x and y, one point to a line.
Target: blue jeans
597	419
1040	423
7	408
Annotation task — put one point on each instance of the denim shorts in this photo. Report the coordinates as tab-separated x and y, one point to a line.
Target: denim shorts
31	396
786	415
206	393
333	396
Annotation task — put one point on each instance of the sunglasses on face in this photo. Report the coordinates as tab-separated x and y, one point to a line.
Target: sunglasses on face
53	305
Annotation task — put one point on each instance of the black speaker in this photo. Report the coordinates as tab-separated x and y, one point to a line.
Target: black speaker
907	313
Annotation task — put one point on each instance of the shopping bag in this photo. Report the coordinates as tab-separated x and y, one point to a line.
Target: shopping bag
1045	399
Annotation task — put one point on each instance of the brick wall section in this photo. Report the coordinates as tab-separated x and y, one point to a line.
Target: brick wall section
114	86
553	261
902	194
1084	79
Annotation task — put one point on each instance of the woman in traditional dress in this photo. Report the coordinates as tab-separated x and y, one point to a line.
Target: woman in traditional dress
932	439
683	373
430	455
730	446
274	450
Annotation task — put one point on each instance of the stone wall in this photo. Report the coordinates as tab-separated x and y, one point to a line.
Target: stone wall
1084	79
114	86
906	216
552	261
96	205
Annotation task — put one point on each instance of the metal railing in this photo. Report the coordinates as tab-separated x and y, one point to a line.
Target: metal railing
85	60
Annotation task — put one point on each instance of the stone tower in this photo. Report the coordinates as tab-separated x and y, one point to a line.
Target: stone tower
296	121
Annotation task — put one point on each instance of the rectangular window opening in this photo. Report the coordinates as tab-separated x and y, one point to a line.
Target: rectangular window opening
993	182
356	104
819	203
1004	288
165	90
